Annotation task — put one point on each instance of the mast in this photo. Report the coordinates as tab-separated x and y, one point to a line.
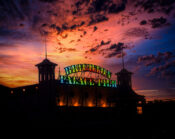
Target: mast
122	59
45	47
43	33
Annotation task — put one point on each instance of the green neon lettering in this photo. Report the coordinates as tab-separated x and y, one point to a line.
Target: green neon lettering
90	67
62	79
108	74
67	71
85	82
81	81
104	72
104	83
98	71
87	67
93	69
73	68
83	68
74	81
107	82
99	82
69	79
101	71
76	68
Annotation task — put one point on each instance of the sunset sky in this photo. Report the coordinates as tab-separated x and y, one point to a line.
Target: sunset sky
90	31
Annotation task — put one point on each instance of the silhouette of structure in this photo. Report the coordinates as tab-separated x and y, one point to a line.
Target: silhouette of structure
124	79
124	76
74	91
46	71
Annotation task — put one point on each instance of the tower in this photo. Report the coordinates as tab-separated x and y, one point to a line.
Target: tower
47	85
46	69
124	76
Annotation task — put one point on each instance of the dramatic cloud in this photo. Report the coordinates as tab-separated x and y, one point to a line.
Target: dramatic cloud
109	6
137	32
114	50
152	59
143	22
151	6
87	31
158	22
92	50
162	65
97	19
165	71
61	50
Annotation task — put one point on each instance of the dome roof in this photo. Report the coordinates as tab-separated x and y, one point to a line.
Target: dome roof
46	62
124	71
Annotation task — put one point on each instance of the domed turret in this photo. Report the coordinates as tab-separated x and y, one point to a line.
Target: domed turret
46	70
124	78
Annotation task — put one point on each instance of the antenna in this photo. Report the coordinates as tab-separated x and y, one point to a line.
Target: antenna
44	33
122	59
45	47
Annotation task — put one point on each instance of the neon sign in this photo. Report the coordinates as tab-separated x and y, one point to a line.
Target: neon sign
87	81
88	67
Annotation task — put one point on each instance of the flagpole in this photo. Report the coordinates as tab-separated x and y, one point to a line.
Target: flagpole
45	47
122	59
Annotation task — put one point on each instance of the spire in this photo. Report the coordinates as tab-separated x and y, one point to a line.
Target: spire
122	59
45	48
44	34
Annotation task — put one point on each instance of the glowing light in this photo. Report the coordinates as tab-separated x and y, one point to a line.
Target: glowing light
107	82
99	82
73	68
139	110
66	69
104	105
61	103
11	92
70	81
87	81
90	104
62	79
76	104
81	81
104	83
88	67
74	81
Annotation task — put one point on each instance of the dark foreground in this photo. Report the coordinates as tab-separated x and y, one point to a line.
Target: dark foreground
157	120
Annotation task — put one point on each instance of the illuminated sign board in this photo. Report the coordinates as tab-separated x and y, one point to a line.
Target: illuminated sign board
87	81
88	67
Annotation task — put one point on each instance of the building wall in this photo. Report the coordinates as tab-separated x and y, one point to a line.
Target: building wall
74	95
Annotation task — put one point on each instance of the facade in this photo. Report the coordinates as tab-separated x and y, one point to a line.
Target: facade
80	91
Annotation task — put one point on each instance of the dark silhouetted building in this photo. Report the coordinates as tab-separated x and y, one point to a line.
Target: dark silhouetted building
124	78
74	91
46	70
